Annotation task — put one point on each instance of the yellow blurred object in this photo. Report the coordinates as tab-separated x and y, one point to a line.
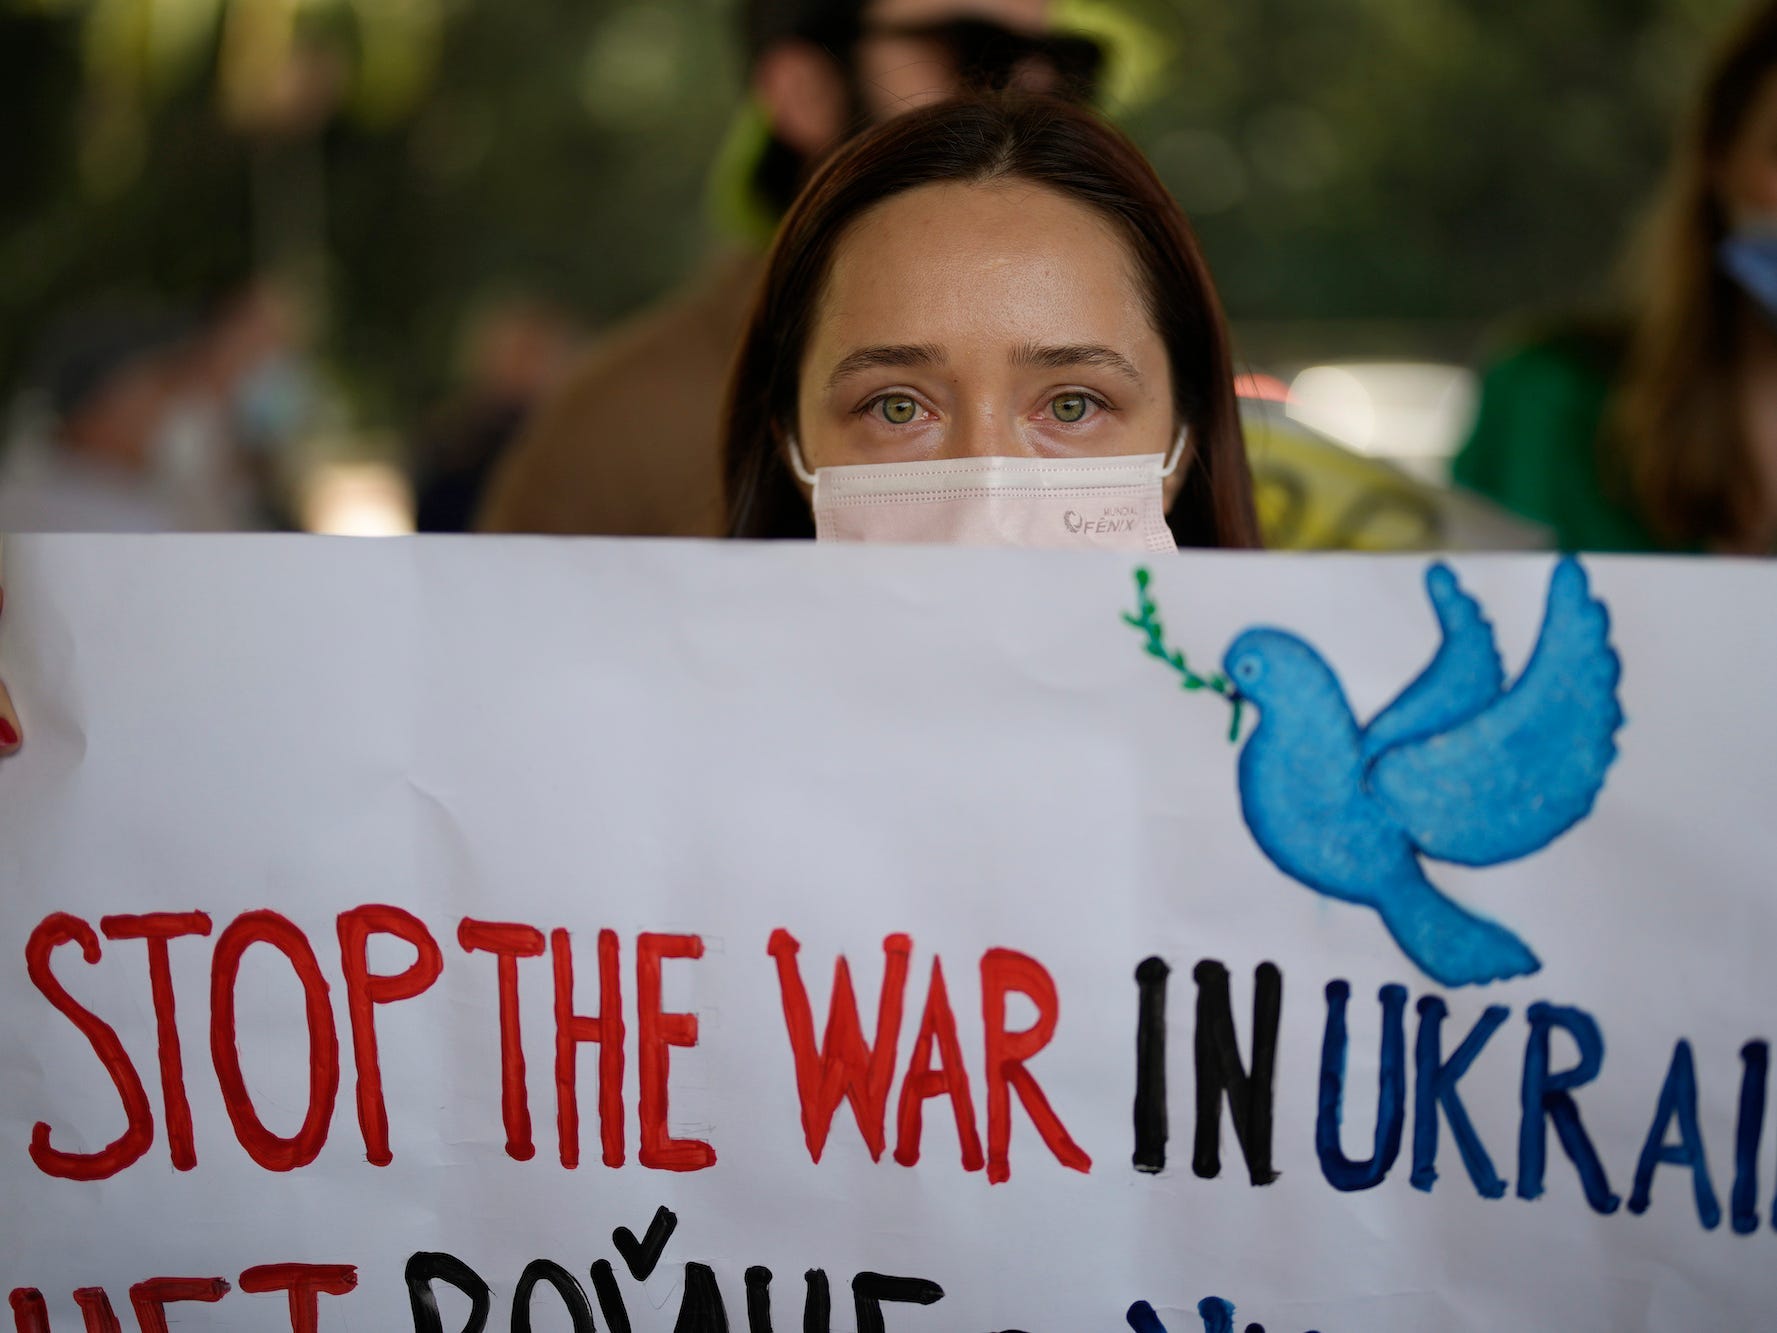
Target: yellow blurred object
257	40
733	205
133	48
179	40
1315	495
399	42
271	78
1135	55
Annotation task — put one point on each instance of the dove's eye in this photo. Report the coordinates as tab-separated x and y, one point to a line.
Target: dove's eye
1248	669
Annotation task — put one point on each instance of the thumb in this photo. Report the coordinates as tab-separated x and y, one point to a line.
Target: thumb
11	734
11	737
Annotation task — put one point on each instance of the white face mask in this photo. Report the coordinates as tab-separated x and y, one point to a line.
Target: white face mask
1093	504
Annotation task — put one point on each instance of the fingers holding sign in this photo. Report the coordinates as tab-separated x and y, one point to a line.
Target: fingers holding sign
11	735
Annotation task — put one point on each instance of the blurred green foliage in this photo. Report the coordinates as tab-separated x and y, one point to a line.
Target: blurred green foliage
1414	159
1343	159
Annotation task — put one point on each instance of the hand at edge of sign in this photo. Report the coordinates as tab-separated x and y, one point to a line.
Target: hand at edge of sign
11	734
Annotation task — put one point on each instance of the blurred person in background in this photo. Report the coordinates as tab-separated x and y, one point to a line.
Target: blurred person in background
263	396
142	420
514	351
116	433
1663	436
630	444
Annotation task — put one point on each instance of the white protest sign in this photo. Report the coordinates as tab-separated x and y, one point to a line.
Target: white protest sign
447	935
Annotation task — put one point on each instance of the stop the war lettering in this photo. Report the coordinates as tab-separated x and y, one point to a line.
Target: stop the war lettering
138	1134
508	943
844	1067
605	1029
366	991
658	1032
951	1079
157	929
271	1151
1005	973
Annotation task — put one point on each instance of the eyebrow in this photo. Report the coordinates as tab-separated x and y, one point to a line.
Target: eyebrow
1062	357
874	358
1078	354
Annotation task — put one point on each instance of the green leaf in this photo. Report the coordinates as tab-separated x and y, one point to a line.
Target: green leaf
1148	621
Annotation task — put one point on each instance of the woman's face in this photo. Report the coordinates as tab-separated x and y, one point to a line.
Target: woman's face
1747	176
999	320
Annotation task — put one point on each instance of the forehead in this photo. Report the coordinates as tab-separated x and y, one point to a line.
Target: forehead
1007	259
1023	15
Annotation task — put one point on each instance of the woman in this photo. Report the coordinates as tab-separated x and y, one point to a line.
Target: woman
1666	439
986	321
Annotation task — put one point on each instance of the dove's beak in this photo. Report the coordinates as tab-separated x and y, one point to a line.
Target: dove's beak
1237	705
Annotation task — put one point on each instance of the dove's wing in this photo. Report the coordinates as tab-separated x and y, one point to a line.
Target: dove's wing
1460	681
1514	777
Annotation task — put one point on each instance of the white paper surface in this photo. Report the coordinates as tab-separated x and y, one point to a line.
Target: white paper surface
968	748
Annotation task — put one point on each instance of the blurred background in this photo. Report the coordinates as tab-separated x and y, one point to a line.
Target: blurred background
394	222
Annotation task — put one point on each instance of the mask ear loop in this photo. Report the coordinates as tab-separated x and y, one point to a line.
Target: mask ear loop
1177	455
796	464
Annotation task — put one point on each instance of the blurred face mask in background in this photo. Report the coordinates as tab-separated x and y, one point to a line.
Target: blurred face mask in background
1093	504
271	404
1748	255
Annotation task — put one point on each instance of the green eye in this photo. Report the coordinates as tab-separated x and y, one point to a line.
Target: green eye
899	409
1069	407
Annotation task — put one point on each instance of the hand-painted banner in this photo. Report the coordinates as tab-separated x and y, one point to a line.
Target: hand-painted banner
465	934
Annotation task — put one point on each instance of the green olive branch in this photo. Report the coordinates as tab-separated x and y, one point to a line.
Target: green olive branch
1147	620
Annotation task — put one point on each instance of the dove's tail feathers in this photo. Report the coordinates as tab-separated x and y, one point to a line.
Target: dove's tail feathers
1450	944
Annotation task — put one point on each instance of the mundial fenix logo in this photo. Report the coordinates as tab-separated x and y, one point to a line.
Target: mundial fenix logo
1114	518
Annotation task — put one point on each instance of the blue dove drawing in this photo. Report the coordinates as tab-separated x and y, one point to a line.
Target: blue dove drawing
1456	769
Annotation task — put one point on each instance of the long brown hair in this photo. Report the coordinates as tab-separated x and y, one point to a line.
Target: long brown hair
1684	454
1044	141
